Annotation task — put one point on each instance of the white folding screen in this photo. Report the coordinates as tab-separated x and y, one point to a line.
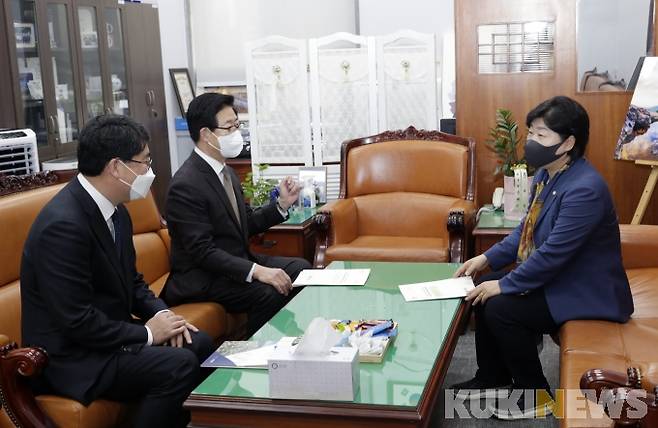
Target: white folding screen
343	92
277	94
303	104
406	75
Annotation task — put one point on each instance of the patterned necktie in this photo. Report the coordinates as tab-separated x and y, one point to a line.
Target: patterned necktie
116	232
228	187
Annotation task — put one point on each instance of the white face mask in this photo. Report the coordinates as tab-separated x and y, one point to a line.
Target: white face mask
230	145
140	187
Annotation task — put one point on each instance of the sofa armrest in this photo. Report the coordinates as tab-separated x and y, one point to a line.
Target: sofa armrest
16	365
622	387
461	220
336	224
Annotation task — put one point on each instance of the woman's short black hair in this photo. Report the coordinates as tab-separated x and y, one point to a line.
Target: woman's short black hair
566	117
202	111
107	137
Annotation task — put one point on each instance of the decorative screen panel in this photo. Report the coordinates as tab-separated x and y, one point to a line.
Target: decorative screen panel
407	81
333	182
343	89
277	86
516	47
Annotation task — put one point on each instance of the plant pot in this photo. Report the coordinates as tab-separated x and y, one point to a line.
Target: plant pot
514	210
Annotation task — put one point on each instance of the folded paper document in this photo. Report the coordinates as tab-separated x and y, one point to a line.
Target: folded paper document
242	354
434	290
332	277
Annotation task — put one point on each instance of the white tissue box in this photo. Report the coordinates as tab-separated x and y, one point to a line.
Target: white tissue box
331	377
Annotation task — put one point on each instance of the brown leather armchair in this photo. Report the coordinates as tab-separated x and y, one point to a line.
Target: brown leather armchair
404	196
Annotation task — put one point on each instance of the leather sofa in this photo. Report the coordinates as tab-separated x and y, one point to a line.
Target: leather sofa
404	196
17	212
601	352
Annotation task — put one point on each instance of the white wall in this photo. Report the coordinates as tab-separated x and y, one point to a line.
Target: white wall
221	27
612	35
379	17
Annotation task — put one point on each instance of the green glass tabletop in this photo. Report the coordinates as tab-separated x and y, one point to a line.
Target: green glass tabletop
300	215
495	220
401	378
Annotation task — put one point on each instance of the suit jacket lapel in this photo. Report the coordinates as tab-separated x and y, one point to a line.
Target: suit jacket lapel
216	185
100	229
239	198
551	190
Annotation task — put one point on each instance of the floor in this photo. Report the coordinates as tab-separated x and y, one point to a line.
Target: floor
463	368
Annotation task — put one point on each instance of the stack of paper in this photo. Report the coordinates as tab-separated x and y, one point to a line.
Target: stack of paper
434	290
332	277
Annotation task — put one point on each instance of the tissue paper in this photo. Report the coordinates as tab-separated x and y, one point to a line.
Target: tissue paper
318	339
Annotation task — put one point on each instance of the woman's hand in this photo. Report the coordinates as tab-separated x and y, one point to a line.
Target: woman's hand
472	266
483	292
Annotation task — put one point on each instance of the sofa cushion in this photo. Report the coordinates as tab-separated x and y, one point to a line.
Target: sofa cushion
403	214
71	414
18	212
644	287
157	285
152	256
638	245
391	248
206	316
432	167
144	215
10	314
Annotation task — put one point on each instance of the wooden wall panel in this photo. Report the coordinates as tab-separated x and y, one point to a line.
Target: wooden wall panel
478	96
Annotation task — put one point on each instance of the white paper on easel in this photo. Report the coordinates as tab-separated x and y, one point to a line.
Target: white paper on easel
434	290
332	277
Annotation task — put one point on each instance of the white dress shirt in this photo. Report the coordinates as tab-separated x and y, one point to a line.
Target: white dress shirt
218	167
107	209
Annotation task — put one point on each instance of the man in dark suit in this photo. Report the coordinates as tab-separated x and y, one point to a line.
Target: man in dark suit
210	224
80	288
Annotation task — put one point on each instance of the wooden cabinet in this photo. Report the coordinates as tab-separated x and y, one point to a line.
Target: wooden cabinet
491	228
72	60
146	84
293	238
42	60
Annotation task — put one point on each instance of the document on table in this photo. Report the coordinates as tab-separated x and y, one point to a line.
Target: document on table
255	358
332	277
434	290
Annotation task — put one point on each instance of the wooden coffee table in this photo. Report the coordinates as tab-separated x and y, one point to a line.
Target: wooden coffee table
400	392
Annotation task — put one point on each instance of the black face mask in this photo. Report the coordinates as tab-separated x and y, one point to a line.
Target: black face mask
538	156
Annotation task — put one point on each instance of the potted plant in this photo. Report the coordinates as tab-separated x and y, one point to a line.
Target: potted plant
506	142
258	191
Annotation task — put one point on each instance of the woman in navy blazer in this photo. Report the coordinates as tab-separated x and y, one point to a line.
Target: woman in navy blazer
569	254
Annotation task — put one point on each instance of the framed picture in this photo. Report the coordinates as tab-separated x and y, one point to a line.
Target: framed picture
638	139
89	40
237	89
315	176
183	87
25	37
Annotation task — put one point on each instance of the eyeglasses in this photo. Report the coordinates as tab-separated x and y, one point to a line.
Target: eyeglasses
147	162
234	127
